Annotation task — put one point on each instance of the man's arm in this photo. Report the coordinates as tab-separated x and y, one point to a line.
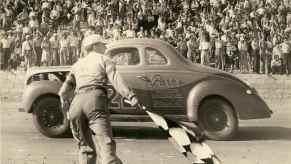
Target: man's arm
118	82
65	92
68	86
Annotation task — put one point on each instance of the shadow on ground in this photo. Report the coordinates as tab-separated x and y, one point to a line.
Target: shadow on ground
135	132
244	134
263	133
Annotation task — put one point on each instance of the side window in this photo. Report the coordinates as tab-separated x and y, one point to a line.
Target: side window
125	56
154	57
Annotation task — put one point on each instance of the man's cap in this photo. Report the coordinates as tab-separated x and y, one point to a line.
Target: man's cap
92	39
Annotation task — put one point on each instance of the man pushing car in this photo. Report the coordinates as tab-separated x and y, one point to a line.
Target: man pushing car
88	78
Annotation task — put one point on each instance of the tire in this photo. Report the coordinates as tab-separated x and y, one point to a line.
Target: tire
217	119
48	118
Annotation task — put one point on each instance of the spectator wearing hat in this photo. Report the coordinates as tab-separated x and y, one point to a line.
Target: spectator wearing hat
88	113
54	45
28	52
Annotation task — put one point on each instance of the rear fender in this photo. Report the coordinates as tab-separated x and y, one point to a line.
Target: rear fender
208	88
246	103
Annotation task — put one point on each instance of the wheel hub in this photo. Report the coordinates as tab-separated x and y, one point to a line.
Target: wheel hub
51	117
216	120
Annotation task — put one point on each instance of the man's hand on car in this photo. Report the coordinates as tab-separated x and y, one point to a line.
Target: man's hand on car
134	101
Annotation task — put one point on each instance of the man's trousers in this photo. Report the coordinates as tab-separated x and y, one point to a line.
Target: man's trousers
89	110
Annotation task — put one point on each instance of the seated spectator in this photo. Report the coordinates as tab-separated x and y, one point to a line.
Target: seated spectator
276	65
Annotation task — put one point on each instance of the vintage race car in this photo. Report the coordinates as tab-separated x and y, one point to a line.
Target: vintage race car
164	81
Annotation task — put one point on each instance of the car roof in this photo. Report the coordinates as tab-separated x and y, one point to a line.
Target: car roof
139	41
110	44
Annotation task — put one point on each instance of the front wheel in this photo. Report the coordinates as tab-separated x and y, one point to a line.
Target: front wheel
48	118
217	119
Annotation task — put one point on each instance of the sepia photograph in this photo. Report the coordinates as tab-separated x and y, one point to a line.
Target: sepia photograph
145	81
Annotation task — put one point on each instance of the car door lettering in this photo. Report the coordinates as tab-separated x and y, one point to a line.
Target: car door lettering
158	81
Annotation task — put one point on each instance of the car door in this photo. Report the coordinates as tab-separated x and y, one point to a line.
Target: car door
129	65
164	83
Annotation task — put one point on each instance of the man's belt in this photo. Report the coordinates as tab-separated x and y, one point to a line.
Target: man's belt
87	88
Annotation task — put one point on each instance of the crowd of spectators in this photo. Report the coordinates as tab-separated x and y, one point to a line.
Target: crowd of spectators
243	35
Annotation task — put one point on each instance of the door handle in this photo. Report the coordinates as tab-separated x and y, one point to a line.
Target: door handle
144	78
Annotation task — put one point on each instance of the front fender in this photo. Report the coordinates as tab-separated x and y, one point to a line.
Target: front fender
37	89
247	105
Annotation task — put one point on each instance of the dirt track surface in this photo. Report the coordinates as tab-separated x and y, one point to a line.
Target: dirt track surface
265	141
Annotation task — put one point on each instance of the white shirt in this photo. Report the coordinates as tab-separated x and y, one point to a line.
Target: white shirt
5	43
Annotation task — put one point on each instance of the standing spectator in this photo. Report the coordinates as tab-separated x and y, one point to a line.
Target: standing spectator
286	50
243	52
116	31
204	48
17	53
230	51
255	55
65	58
28	52
5	49
33	21
191	49
130	33
182	47
46	58
91	18
74	46
219	53
37	39
54	45
1	56
8	17
263	54
269	54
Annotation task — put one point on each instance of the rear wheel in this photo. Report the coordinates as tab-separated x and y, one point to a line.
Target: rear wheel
217	119
48	118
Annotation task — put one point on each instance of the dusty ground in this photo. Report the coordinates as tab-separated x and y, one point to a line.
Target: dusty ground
258	142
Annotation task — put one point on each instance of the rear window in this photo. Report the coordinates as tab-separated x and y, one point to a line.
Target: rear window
154	57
